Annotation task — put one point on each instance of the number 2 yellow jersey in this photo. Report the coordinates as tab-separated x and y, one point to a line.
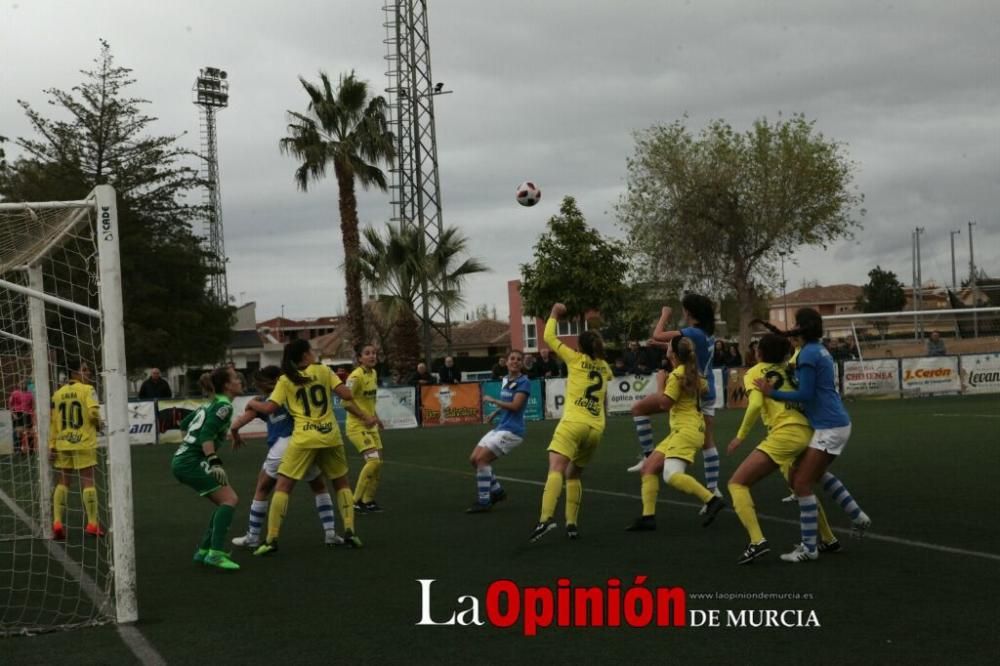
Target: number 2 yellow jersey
311	407
75	417
774	413
686	412
586	384
363	383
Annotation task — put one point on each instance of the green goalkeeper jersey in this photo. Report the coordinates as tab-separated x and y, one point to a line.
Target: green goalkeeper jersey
208	422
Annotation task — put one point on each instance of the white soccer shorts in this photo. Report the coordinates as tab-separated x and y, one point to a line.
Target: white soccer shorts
708	410
273	460
500	442
831	440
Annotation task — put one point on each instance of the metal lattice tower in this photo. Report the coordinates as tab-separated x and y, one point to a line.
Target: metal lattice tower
416	188
211	92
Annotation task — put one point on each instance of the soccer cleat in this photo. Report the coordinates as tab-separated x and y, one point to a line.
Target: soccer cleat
373	507
266	548
790	498
199	555
331	538
829	546
220	560
351	540
498	496
479	508
712	509
572	532
93	529
642	524
247	541
58	532
754	551
541	529
359	507
800	554
859	525
704	507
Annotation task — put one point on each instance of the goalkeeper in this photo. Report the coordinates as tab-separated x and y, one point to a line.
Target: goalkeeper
196	463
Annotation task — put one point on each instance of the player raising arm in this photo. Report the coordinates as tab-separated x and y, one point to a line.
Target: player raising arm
579	431
514	391
197	464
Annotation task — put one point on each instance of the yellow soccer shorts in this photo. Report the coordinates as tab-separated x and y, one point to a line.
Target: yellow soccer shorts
331	460
75	459
365	439
683	443
786	444
576	441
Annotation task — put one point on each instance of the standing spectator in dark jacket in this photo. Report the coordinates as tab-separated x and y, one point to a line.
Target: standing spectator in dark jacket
733	358
500	368
421	377
720	356
548	365
155	387
449	374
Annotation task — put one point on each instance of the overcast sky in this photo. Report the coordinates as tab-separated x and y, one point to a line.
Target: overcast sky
552	91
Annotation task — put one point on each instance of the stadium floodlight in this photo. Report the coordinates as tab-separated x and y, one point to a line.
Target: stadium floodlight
211	92
61	301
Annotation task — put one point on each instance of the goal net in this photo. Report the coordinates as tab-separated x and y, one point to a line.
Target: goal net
60	306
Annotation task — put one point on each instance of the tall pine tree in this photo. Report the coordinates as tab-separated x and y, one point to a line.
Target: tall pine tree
103	137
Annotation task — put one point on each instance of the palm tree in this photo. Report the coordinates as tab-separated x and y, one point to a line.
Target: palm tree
396	265
350	130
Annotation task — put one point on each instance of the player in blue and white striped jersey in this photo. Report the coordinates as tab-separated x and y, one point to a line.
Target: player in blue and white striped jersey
279	433
508	433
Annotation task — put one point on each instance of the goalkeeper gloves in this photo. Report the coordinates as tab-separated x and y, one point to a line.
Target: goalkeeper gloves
216	470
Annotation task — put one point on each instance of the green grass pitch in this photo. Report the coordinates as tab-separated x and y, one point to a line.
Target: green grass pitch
927	471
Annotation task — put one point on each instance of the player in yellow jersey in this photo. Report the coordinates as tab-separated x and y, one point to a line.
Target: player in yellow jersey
76	419
363	429
582	424
682	397
305	390
788	435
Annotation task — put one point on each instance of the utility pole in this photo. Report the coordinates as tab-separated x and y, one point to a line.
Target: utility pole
972	284
918	285
954	282
913	280
784	294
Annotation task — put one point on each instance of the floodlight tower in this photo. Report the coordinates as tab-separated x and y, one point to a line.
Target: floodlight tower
211	92
416	188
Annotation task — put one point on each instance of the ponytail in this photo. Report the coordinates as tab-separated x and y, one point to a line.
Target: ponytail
769	326
215	381
592	344
290	359
683	349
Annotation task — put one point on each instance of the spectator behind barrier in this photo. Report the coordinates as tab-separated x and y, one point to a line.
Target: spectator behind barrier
449	374
155	387
421	377
935	345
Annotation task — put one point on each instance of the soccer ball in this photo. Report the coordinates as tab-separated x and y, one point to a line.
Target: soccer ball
528	193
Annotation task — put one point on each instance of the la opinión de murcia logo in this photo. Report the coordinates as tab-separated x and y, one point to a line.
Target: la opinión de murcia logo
614	604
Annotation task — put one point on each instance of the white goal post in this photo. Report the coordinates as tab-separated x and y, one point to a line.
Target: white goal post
61	301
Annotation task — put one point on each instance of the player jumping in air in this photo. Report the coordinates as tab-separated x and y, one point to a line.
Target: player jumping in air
579	431
699	314
305	391
514	391
682	398
363	426
816	376
197	464
73	446
279	433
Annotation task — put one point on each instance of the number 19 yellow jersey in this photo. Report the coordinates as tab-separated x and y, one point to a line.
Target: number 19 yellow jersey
311	407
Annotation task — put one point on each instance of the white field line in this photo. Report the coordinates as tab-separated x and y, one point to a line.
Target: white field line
131	636
761	516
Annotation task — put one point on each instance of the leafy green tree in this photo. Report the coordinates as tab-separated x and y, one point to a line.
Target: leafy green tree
883	293
716	208
396	265
349	130
104	138
575	265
